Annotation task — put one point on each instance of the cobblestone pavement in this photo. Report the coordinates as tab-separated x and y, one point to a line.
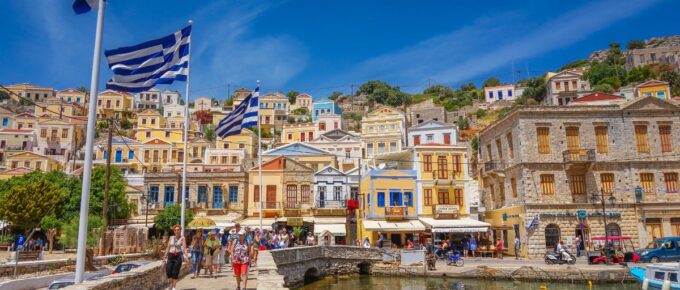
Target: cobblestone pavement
224	280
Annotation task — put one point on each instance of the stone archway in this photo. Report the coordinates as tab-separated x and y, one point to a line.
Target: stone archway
364	268
311	275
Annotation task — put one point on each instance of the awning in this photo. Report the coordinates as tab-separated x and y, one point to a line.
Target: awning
401	226
330	220
335	229
255	222
464	225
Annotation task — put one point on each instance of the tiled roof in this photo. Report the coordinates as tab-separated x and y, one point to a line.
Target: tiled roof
15	131
598	97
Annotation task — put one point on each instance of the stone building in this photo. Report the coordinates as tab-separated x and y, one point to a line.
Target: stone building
565	86
546	170
424	111
667	54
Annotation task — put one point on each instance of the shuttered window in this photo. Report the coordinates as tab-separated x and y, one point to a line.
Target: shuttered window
573	142
305	191
256	193
513	184
428	196
499	148
578	184
488	152
456	163
543	136
602	139
648	184
458	197
641	139
607	183
428	163
671	180
665	138
511	150
501	192
443	197
548	184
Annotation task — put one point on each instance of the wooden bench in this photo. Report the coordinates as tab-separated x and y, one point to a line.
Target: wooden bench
28	255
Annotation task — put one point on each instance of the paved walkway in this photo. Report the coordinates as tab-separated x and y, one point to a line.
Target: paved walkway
224	280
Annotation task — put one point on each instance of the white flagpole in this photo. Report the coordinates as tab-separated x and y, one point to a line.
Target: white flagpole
259	153
89	142
186	136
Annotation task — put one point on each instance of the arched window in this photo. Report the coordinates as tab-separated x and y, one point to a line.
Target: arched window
552	236
613	229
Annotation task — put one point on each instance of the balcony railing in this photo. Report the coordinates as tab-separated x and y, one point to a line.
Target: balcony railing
396	212
493	165
271	205
445	174
331	204
579	155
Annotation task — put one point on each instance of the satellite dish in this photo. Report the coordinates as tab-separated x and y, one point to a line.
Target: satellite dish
381	166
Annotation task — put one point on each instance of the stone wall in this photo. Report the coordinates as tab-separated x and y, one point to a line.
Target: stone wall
49	265
149	276
308	263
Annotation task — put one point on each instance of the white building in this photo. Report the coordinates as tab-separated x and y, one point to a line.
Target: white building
173	110
170	98
345	146
328	122
330	188
433	132
148	99
220	159
566	86
503	92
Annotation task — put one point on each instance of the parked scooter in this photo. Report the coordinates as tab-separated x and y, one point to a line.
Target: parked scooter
456	259
554	258
441	254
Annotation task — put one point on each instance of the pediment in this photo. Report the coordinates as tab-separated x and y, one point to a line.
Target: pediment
329	170
649	103
295	149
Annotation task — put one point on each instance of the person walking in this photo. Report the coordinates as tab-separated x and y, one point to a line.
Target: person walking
518	247
499	249
466	246
577	241
211	252
367	243
176	252
196	254
381	240
473	245
240	250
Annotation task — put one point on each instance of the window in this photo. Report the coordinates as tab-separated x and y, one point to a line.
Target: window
167	134
548	184
665	138
513	185
290	136
310	136
447	138
573	142
408	198
256	193
393	146
574	84
416	140
675	226
202	194
501	192
148	134
499	149
43	133
552	236
648	184
302	137
578	184
443	197
217	197
153	193
381	199
458	197
38	165
369	149
305	193
500	95
429	138
291	196
641	139
143	121
543	136
117	103
427	200
607	183
509	93
337	193
490	94
671	180
566	85
381	148
322	126
602	139
558	86
456	163
442	167
396	198
234	159
224	159
488	152
511	149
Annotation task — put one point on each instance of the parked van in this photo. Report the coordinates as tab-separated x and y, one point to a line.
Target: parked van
661	250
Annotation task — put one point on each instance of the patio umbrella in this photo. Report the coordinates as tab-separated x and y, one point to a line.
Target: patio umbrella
201	222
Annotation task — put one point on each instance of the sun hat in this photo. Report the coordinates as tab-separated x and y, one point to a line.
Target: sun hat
241	232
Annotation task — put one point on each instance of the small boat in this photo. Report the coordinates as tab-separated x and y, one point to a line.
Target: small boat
662	276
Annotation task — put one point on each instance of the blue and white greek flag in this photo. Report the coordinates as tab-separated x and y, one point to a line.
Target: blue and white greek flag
160	61
84	6
244	116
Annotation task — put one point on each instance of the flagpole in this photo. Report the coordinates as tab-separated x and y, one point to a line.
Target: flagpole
89	140
186	137
259	153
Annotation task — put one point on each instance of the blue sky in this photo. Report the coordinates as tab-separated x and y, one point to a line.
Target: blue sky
322	46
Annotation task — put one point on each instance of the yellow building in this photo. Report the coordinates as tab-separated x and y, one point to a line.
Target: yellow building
654	88
114	104
33	161
383	131
30	92
73	96
56	108
246	140
299	132
303	100
15	140
25	121
158	154
287	192
388	206
125	154
312	157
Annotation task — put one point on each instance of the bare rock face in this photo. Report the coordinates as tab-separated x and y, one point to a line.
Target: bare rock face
667	41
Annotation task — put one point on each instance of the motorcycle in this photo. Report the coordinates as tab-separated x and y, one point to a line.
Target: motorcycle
456	259
441	254
554	258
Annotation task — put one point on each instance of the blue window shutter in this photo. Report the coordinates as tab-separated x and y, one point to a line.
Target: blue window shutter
509	93
408	198
381	199
490	95
131	154
106	154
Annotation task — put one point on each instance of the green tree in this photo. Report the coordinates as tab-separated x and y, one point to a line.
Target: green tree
673	79
229	102
491	82
480	113
474	143
604	73
69	237
84	90
209	133
265	134
291	120
615	55
468	86
117	197
603	88
575	64
292	96
301	111
335	95
463	123
534	88
635	44
640	74
27	203
4	95
442	92
51	225
171	215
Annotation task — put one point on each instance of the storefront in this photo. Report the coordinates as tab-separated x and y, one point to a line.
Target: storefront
506	224
330	230
454	229
395	233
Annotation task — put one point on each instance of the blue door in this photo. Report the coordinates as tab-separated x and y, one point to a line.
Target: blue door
395	198
233	194
217	197
169	195
203	194
119	156
153	193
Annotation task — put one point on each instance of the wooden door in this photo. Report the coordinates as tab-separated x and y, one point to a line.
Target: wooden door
271	196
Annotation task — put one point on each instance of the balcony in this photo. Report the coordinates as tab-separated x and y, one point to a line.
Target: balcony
494	167
396	212
330	208
579	159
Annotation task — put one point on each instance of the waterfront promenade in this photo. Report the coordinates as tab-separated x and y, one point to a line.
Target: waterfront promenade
224	280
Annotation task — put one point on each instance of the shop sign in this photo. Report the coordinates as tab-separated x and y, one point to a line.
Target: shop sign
446	209
582	214
294	221
509	216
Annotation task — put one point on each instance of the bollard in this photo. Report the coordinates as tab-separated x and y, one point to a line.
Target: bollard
645	284
543	287
590	284
666	285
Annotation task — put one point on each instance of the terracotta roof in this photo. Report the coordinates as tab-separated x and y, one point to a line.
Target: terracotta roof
17	171
435	144
652	83
597	97
15	131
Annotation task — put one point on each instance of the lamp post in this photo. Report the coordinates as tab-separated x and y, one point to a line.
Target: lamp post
601	198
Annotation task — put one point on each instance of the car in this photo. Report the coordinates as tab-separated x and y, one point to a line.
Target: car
127	266
661	250
69	279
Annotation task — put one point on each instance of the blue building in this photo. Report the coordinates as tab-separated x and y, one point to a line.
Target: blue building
324	107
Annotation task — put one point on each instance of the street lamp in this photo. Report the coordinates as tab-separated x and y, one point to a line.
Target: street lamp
601	198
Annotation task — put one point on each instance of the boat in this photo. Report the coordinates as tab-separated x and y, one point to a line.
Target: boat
662	276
